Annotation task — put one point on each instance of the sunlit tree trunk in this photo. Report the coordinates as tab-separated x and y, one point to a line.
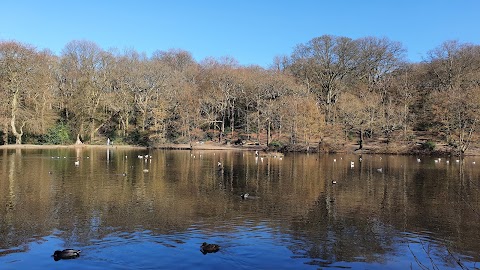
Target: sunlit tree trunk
17	133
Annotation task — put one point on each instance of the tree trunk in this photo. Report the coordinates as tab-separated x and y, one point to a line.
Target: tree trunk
144	119
232	119
5	132
360	142
222	131
268	133
18	135
405	116
258	126
92	131
78	140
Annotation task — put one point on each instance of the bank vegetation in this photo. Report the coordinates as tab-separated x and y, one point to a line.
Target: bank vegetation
329	94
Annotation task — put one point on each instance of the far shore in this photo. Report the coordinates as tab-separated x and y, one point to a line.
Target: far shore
72	146
350	148
193	146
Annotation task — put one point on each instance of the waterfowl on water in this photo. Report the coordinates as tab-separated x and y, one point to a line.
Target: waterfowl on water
244	196
66	254
209	248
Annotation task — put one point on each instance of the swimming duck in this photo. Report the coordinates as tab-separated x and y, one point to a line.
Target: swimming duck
209	248
244	196
66	254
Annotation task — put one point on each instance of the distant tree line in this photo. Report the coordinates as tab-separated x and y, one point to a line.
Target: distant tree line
330	86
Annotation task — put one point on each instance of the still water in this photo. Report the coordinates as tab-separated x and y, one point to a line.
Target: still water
126	212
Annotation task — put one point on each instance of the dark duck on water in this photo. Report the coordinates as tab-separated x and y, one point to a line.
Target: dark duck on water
209	248
66	254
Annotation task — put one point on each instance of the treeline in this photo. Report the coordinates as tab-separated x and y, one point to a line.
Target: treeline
330	87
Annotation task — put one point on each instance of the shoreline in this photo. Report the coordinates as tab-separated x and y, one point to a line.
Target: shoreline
193	146
70	146
206	146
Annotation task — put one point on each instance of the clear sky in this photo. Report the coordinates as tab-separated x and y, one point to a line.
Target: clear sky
251	31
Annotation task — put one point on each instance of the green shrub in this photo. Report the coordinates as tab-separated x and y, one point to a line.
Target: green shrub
138	137
429	145
276	144
59	134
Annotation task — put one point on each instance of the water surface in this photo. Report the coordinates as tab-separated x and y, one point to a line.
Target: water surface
126	212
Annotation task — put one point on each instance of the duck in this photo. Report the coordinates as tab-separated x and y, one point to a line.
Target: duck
209	248
244	196
66	254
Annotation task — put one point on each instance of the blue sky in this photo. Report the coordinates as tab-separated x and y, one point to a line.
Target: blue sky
251	31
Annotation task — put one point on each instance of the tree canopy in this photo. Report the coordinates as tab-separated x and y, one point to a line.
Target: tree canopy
329	87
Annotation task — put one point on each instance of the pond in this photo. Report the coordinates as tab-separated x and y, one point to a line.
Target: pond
124	210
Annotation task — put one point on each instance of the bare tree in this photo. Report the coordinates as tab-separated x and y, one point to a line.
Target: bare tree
82	85
455	96
322	65
26	86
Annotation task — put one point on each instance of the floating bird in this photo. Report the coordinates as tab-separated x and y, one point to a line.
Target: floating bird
209	248
77	163
334	160
334	182
244	196
352	164
380	170
66	254
219	164
140	156
145	170
256	153
418	160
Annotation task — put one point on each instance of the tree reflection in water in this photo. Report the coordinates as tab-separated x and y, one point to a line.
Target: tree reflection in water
408	214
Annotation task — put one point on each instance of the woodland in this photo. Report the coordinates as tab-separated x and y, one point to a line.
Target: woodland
329	92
